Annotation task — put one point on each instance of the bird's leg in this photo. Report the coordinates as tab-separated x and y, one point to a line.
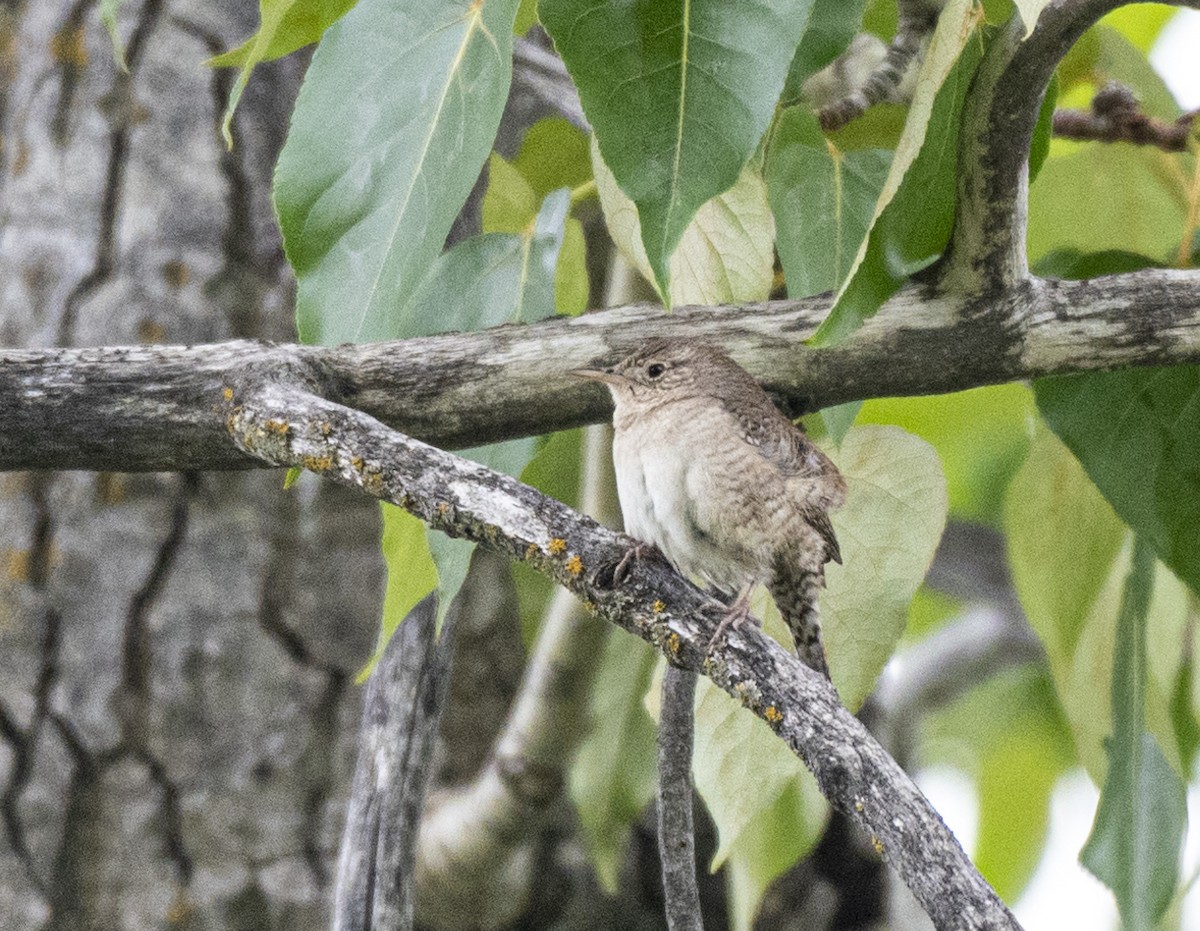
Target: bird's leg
733	614
613	575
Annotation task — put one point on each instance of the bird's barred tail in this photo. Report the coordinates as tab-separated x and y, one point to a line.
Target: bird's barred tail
796	595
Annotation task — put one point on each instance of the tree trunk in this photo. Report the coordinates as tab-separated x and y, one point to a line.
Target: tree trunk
177	713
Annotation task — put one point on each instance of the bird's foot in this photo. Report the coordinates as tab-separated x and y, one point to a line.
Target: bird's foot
732	615
613	574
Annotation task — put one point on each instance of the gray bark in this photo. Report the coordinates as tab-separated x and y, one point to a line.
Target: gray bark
176	651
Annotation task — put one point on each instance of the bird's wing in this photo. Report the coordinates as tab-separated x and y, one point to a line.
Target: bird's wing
786	447
819	521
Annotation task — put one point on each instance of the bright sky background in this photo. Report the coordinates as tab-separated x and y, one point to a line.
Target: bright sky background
1063	895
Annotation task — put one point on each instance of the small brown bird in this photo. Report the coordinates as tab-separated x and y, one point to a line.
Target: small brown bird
730	490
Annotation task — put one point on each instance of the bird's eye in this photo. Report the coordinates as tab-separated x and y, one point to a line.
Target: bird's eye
656	369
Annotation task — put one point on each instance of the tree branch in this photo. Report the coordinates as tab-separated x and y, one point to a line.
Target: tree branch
676	832
987	246
285	427
156	408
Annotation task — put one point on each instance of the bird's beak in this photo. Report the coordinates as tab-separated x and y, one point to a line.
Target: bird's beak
604	375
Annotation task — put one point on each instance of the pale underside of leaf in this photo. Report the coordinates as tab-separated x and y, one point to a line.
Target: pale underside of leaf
724	256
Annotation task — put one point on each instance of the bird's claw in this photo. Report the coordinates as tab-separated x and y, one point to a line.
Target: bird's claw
732	616
613	574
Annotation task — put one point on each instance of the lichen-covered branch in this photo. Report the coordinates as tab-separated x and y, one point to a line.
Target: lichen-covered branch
284	426
157	408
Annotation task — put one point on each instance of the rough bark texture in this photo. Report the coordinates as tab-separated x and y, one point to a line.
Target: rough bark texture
176	652
148	408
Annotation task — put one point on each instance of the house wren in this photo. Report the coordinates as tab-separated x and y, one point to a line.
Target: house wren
710	472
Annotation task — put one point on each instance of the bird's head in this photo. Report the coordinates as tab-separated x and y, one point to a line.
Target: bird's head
663	369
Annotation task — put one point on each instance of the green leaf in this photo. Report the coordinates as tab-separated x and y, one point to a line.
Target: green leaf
1139	23
1137	433
1144	212
823	200
397	114
1069	556
1136	840
302	23
831	26
553	154
526	17
725	255
679	93
1015	760
493	278
284	26
981	437
888	530
108	16
915	211
613	776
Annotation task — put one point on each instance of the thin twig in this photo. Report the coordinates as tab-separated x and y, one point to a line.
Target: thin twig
676	833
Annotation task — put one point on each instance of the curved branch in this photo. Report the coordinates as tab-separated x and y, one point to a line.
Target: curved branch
155	408
987	246
285	426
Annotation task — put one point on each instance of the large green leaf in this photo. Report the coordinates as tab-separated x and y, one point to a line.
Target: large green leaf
981	437
493	278
613	776
888	530
679	93
1070	556
724	256
1137	433
1136	840
397	114
823	200
915	211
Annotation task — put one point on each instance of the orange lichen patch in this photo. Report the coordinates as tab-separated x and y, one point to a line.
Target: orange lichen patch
317	463
325	427
228	393
557	546
530	551
278	427
69	46
674	643
443	508
877	844
574	565
658	607
773	715
356	463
